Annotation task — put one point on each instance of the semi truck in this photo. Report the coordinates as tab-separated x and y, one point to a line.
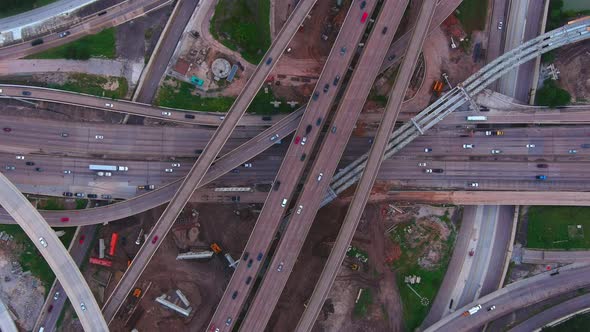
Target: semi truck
102	262
113	244
472	311
477	118
108	168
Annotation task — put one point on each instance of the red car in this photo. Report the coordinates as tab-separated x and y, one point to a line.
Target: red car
64	219
155	239
6	129
82	238
364	18
297	139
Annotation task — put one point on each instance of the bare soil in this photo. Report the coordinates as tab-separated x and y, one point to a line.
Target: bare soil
60	112
573	62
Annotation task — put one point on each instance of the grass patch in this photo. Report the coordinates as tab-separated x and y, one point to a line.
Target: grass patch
243	26
176	94
472	14
95	85
261	103
362	306
13	7
579	323
552	95
412	249
81	204
555	227
101	45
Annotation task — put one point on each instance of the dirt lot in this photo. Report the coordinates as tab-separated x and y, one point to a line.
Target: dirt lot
202	282
51	111
573	62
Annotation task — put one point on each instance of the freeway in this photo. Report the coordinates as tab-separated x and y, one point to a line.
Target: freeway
326	162
538	256
374	160
293	165
55	255
502	197
516	296
6	322
556	313
199	169
115	15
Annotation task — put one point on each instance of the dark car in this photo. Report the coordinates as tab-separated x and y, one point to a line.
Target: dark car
542	166
268	61
234	295
68	194
315	95
199	151
38	169
246	255
259	257
585	146
541	177
30	163
250	262
336	80
303	157
363	4
267	118
50	308
235	171
189	116
92	196
384	31
26	93
391	57
318	122
6	129
235	199
437	170
326	87
308	129
276	185
37	41
248	280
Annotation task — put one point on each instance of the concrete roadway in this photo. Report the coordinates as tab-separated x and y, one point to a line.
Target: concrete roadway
538	256
55	255
6	322
197	173
326	162
374	160
116	15
147	90
555	313
516	296
78	251
495	45
292	166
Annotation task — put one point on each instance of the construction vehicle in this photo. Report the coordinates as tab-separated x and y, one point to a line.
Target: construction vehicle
113	244
437	87
472	311
354	267
103	262
216	248
137	292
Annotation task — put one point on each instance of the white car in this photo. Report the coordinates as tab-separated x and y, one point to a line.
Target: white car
474	184
43	242
427	150
500	25
275	136
221	117
166	113
280	267
320	177
530	146
572	151
20	157
284	202
56	296
496	151
168	170
109	105
299	209
99	137
176	165
248	165
303	140
428	170
83	306
468	146
421	164
67	171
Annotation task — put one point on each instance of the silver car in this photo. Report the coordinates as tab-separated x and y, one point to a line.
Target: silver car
280	267
43	242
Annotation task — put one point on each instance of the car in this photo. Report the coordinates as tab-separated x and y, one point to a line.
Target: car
320	176
284	202
104	173
421	164
175	165
50	308
308	129
500	25
468	146
67	171
297	139
235	199
289	49
492	308
189	116
248	280
68	194
198	151
109	105
82	306
10	168
259	257
168	170
235	171
167	113
250	262
304	140
276	185
326	87
155	239
391	57
427	150
275	136
98	137
26	93
92	196
474	184
542	166
280	267
6	129
64	219
318	121
43	242
336	80
20	157
30	163
268	61
315	96
530	146
572	151
234	295
363	4
248	165
541	177
228	321
384	31
222	118
38	169
437	170
494	133
585	146
302	158
245	256
64	134
56	296
299	209
105	196
494	151
342	50
214	329
364	17
63	34
80	194
333	130
82	238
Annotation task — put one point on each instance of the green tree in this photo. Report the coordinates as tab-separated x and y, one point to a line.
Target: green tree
551	95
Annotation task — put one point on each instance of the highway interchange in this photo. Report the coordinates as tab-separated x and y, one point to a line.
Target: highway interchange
517	159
